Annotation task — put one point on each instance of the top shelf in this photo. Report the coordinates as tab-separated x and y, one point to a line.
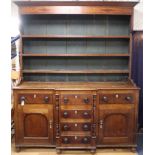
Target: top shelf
75	3
72	37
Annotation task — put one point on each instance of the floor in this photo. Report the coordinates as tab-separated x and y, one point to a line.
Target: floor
52	152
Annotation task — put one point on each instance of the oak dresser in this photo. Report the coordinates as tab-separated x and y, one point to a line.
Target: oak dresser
76	90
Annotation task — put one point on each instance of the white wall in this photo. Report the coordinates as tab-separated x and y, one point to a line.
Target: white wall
138	15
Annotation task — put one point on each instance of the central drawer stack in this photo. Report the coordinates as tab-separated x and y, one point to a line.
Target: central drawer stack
77	121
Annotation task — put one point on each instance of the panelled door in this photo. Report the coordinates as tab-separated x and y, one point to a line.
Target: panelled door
35	124
116	124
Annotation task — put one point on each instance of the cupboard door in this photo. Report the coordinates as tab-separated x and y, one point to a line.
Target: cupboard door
35	124
116	124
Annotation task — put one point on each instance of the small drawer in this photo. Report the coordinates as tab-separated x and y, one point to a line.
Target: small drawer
35	98
75	140
119	98
76	127
106	98
123	98
76	99
85	114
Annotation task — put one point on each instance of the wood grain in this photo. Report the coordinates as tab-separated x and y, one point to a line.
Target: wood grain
72	37
77	71
106	10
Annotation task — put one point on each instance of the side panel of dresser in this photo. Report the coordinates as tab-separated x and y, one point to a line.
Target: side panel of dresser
117	121
33	118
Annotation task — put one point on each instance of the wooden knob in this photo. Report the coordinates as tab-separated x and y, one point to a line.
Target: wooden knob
105	98
66	100
65	127
22	98
46	99
85	114
85	127
65	114
85	140
86	100
66	140
128	98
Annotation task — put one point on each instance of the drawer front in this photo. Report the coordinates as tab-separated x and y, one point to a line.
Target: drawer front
106	98
76	127
35	98
119	98
124	98
85	114
76	99
75	140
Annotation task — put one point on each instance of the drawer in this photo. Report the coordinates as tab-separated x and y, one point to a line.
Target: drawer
85	114
75	126
35	98
119	98
76	140
76	99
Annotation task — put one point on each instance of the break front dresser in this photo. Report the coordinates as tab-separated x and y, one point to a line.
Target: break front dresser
76	90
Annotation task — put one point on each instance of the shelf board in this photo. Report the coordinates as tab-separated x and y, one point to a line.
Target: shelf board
77	71
74	55
72	37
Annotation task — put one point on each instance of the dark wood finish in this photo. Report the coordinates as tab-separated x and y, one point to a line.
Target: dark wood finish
65	127
35	98
118	98
116	123
76	99
82	140
76	115
84	114
36	124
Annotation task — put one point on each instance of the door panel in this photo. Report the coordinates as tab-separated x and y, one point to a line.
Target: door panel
116	124
36	124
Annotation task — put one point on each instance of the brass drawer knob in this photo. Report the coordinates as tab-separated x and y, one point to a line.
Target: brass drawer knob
46	99
66	100
86	100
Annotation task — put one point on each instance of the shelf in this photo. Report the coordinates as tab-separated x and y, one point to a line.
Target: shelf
77	71
72	55
72	37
